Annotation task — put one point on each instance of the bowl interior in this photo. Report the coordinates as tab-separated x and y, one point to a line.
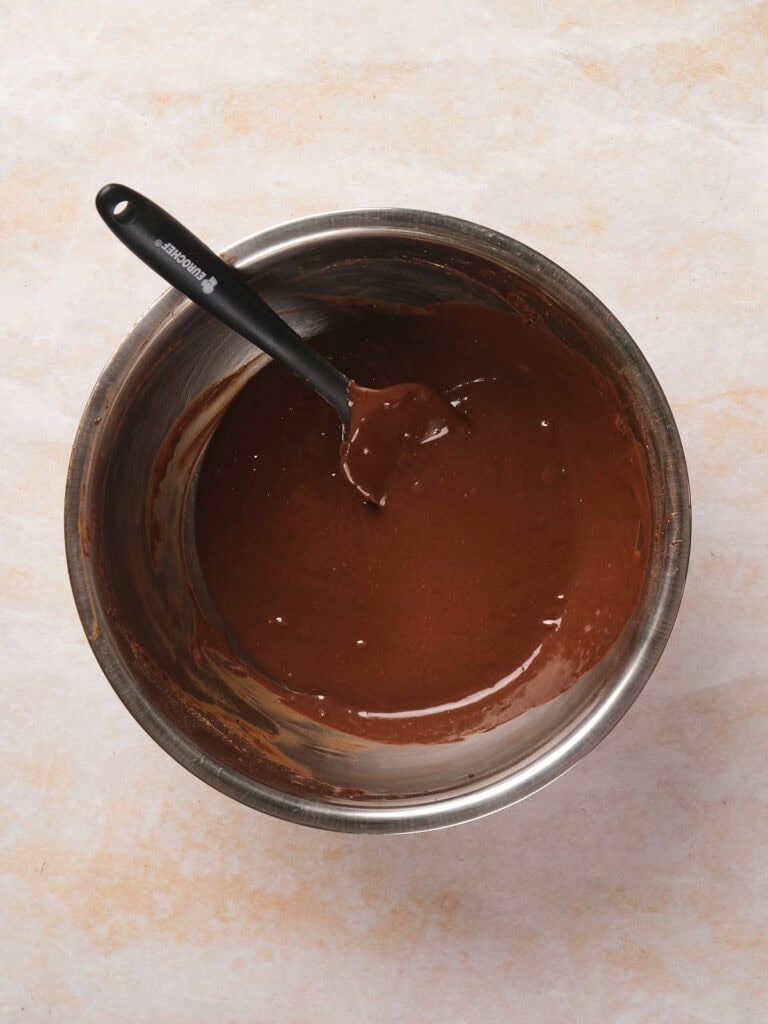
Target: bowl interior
135	573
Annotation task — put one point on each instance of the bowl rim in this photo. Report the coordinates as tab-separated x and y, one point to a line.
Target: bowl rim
575	743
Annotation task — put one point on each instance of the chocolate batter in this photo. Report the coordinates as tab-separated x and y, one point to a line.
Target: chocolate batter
507	558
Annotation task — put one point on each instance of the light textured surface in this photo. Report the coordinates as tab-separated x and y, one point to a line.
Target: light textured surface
627	141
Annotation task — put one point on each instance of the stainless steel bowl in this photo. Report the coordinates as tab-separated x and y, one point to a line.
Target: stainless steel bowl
129	511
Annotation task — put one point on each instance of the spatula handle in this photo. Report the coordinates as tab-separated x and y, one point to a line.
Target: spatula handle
172	251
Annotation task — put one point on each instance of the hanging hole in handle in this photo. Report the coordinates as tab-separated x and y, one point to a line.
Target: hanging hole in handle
124	212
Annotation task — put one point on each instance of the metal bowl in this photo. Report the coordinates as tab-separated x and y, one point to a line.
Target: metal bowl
129	512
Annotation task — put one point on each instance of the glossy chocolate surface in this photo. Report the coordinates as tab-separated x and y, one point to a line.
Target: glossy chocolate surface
507	557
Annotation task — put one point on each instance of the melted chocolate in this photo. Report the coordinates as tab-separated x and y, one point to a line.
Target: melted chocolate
505	563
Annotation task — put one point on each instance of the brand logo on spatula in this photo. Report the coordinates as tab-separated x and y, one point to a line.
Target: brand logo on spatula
206	283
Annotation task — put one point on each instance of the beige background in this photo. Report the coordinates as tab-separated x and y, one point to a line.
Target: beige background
627	141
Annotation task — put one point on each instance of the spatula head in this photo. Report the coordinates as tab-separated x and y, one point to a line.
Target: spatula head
387	424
